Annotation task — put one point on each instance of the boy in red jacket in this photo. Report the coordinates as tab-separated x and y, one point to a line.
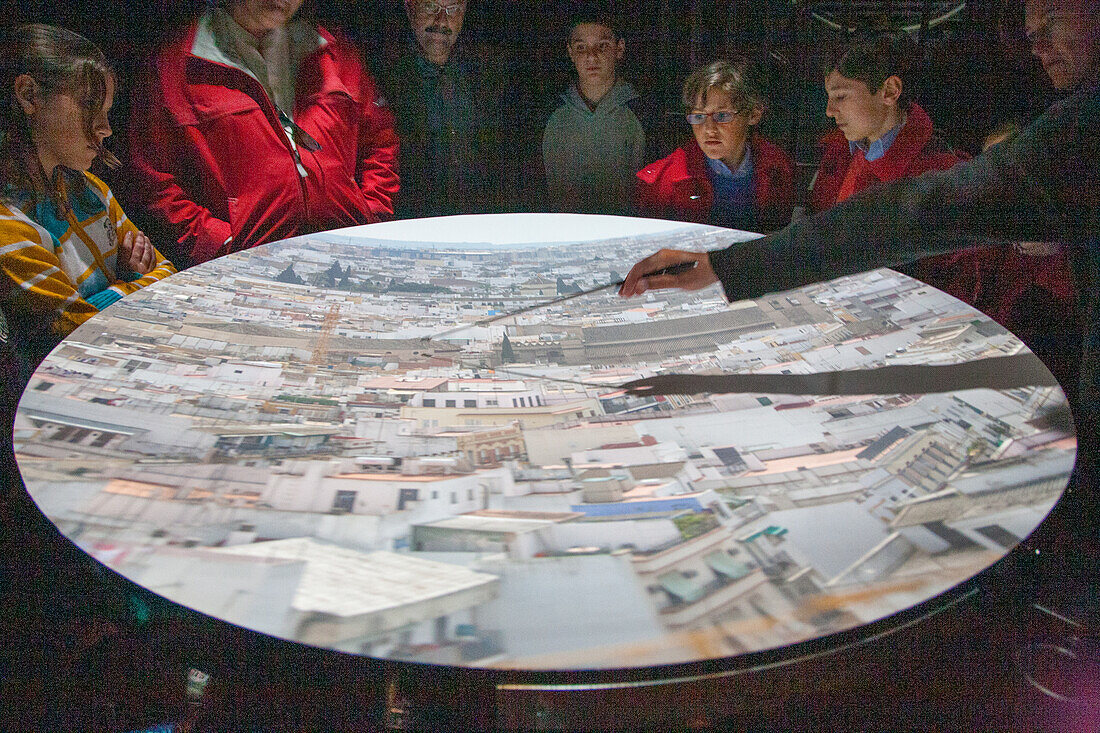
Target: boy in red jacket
728	176
882	136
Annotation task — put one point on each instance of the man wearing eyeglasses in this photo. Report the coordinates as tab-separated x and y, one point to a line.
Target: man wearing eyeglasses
595	141
1042	185
448	107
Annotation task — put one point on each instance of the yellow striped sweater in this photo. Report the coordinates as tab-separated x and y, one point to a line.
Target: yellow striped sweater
49	263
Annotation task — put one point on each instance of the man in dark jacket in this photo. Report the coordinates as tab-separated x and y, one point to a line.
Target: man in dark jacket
448	105
1043	185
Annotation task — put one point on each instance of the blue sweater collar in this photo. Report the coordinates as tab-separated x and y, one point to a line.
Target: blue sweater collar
878	148
721	170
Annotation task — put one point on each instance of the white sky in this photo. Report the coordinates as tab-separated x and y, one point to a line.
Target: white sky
511	228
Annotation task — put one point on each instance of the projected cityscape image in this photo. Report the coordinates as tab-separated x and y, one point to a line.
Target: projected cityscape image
317	439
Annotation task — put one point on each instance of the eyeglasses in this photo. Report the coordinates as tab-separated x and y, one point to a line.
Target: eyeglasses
602	48
722	116
1049	25
434	8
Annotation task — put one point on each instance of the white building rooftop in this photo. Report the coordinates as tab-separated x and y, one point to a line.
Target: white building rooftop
345	582
471	523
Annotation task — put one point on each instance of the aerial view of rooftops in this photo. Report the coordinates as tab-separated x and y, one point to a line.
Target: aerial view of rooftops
328	440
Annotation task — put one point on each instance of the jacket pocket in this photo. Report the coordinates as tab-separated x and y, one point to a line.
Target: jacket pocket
333	119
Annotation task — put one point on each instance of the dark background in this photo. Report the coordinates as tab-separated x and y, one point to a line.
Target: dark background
957	670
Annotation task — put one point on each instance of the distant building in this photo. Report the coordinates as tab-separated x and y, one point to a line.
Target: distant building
106	429
709	582
924	460
539	287
793	308
648	504
655	340
402	389
485	447
838	544
527	414
319	486
271	440
480	393
312	409
257	373
1023	482
553	445
519	534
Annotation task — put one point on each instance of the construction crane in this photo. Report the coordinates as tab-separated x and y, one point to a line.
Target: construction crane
320	348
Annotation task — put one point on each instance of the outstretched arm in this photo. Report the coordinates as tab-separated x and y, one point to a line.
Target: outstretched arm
637	281
1041	185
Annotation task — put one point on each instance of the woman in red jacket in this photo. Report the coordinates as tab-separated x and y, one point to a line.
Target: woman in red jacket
255	125
728	176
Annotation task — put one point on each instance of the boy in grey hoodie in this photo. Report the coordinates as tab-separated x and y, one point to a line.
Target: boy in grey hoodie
594	142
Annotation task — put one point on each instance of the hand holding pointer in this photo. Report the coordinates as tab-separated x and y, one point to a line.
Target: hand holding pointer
669	268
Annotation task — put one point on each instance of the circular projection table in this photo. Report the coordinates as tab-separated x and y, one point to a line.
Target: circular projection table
276	440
